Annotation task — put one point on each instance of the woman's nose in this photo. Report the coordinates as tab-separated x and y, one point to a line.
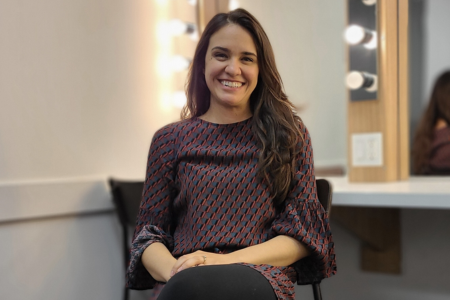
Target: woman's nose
233	68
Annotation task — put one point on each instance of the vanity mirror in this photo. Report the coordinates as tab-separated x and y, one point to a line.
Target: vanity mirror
429	53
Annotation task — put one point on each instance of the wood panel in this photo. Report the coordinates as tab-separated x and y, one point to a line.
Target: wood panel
207	9
379	232
389	86
403	23
389	113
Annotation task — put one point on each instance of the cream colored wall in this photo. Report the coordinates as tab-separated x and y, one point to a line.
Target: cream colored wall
310	53
79	88
80	98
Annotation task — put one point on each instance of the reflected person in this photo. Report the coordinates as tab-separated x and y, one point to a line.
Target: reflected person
431	148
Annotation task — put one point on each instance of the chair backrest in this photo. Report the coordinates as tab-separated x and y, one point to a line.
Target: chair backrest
127	198
324	194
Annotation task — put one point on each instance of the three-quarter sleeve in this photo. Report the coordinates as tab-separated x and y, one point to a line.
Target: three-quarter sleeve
303	218
154	218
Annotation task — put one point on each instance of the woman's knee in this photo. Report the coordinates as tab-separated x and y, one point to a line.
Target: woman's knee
183	285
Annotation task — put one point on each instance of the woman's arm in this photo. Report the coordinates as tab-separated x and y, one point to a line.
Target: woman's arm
280	251
158	261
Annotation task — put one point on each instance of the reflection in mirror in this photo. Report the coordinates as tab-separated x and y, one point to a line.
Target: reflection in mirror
428	52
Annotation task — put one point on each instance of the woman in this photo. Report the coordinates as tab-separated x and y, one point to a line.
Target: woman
431	149
231	188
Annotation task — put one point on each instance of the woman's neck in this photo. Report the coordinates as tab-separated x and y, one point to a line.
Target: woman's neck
230	115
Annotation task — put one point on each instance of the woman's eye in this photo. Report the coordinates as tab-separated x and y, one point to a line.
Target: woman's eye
248	59
220	55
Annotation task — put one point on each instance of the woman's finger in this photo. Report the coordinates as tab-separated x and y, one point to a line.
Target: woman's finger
192	261
178	264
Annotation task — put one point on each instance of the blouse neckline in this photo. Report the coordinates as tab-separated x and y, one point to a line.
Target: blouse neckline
225	124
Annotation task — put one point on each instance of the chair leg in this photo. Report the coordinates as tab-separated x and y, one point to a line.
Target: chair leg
316	291
126	252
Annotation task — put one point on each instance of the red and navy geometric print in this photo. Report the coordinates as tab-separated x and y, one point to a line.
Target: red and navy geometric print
202	192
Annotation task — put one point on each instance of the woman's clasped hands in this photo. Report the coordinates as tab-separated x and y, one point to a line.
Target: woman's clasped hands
200	258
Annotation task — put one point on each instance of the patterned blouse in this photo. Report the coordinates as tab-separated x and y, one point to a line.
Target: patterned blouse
202	193
440	153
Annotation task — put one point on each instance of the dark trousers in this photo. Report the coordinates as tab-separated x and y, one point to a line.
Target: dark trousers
219	282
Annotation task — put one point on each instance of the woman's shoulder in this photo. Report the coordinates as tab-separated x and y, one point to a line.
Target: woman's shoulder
173	130
303	129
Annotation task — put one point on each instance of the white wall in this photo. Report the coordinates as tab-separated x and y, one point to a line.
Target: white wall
80	98
310	54
79	87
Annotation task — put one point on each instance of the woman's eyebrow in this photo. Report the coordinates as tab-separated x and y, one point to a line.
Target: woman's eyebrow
227	50
249	53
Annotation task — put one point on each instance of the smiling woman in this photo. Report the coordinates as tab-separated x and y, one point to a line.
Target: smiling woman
231	187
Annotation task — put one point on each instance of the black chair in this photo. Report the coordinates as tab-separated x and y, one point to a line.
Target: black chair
324	194
126	196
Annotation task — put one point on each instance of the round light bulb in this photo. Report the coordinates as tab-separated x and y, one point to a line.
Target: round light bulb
354	34
369	2
179	99
179	63
178	27
356	80
233	4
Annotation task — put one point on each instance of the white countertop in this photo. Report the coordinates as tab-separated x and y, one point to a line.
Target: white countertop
416	192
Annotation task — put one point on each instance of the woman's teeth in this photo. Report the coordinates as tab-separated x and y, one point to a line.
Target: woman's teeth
231	83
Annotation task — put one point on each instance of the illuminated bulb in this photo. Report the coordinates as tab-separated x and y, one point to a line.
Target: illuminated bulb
178	27
179	99
369	2
179	63
192	2
355	34
233	4
356	80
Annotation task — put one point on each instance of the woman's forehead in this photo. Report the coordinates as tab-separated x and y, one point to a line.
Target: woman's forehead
232	37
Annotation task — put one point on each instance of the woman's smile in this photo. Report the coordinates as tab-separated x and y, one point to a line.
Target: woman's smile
231	84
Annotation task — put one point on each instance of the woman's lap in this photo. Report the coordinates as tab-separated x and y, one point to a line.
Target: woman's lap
219	282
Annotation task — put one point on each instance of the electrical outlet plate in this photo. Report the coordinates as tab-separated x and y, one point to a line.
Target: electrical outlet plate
367	149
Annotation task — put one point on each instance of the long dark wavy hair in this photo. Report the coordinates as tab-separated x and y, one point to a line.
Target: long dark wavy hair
438	108
274	123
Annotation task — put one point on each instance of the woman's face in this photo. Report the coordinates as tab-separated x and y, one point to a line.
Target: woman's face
231	67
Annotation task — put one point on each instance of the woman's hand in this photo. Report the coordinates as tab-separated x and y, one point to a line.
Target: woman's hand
200	258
